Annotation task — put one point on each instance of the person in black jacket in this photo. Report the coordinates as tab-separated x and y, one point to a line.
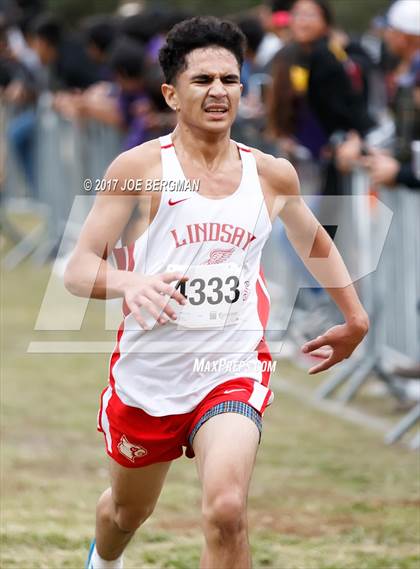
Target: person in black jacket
313	100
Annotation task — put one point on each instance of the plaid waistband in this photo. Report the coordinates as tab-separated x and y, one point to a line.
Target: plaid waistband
228	407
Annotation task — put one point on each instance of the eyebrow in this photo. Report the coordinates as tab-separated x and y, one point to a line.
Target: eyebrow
206	76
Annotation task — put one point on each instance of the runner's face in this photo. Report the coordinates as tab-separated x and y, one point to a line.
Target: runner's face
209	89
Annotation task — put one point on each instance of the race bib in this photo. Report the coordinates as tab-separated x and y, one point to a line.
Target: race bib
213	294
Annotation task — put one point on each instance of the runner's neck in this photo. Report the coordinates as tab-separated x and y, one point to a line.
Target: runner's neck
208	149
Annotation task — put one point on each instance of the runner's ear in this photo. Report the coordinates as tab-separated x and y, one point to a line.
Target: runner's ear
170	96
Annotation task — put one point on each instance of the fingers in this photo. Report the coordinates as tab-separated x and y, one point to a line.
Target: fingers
162	303
152	307
326	364
172	292
153	297
135	311
318	342
170	277
148	305
156	304
322	353
319	348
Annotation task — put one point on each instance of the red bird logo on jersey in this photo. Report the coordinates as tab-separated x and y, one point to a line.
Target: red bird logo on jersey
219	256
129	450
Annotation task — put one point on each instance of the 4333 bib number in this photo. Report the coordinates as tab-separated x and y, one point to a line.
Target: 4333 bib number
213	294
211	291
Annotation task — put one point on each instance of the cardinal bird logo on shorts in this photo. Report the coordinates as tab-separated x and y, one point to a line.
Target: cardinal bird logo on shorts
219	256
129	450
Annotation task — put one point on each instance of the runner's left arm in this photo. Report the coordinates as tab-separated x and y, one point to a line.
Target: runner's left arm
322	258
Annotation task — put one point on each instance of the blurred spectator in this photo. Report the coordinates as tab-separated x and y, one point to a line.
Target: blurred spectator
314	104
167	22
63	64
20	72
250	120
97	101
129	94
383	62
62	55
281	25
6	61
144	26
99	33
18	21
153	72
273	39
356	61
134	105
403	39
254	33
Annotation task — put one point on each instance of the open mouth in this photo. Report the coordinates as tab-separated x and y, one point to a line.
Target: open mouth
218	111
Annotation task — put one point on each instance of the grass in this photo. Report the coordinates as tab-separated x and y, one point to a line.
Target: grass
325	494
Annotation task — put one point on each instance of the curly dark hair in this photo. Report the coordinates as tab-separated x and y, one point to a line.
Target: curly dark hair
201	31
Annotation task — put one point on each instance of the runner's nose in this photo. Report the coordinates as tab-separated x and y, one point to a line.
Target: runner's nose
217	89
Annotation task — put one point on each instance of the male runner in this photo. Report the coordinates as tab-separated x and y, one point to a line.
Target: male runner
201	251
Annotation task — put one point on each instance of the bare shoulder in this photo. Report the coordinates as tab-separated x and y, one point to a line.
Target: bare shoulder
277	174
113	208
138	163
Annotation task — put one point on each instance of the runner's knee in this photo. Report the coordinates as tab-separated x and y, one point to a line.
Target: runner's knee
225	514
129	519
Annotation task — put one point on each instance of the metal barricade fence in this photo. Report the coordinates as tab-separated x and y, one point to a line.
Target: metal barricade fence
66	154
391	293
400	271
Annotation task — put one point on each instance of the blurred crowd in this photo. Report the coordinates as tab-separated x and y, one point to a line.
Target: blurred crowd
311	90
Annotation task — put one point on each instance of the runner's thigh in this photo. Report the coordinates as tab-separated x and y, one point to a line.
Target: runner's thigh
226	447
137	488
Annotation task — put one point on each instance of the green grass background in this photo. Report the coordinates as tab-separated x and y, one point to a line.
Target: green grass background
325	494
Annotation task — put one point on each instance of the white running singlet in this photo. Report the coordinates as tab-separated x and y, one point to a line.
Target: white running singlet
219	334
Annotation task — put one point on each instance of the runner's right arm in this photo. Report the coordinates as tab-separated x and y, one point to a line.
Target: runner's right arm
89	273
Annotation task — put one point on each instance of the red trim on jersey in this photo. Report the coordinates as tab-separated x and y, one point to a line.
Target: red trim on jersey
101	406
115	355
120	258
263	307
263	304
244	149
126	311
166	146
129	266
130	250
264	356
